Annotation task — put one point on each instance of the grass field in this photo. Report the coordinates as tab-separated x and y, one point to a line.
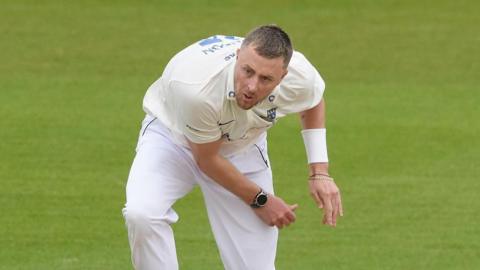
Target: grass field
403	129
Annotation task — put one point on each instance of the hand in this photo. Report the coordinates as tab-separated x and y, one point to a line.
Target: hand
327	196
276	212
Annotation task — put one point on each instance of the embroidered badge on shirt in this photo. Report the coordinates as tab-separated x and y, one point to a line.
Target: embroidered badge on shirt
271	114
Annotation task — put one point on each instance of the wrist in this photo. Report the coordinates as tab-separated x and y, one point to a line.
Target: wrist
259	200
318	168
249	193
321	177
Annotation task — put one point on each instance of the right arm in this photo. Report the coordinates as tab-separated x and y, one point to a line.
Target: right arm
275	213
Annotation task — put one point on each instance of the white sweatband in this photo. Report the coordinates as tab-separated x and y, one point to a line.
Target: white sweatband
315	141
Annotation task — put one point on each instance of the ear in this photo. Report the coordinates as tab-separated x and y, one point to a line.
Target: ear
238	50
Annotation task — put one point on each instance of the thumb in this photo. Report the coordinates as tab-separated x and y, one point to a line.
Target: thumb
293	207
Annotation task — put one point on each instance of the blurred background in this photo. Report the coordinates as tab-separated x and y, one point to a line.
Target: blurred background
403	129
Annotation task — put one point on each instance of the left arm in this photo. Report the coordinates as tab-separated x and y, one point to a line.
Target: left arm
314	118
322	188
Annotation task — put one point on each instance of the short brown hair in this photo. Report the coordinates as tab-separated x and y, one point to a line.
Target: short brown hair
270	41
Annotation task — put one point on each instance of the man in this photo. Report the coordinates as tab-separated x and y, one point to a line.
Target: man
206	125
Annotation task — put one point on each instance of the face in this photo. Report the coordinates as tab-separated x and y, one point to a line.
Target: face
255	76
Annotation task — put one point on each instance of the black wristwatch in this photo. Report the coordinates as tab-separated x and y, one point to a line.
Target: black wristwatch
260	199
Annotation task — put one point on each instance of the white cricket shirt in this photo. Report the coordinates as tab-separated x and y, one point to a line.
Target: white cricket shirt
195	96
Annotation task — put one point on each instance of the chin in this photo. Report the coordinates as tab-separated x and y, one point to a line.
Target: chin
245	107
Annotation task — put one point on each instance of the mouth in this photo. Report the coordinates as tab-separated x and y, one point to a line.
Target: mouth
247	97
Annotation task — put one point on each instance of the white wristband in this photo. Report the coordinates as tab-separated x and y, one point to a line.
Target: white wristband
315	141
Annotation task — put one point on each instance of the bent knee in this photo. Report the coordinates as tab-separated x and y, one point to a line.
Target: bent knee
144	221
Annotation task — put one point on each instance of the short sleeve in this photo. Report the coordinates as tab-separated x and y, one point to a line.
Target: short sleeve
301	89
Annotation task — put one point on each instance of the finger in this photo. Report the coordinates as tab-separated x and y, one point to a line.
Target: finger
317	199
321	204
340	204
328	211
293	207
283	222
288	224
290	216
335	210
278	222
337	207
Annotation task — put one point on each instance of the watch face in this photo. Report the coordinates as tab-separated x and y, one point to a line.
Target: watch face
262	199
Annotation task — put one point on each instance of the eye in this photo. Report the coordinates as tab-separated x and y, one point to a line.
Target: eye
248	71
265	79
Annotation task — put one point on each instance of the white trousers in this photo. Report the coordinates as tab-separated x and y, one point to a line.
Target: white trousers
163	172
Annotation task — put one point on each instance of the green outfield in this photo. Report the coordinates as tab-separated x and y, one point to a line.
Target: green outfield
403	129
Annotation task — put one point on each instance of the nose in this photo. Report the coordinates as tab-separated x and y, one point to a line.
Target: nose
252	84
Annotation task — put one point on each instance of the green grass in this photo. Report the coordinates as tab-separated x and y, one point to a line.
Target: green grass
403	129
